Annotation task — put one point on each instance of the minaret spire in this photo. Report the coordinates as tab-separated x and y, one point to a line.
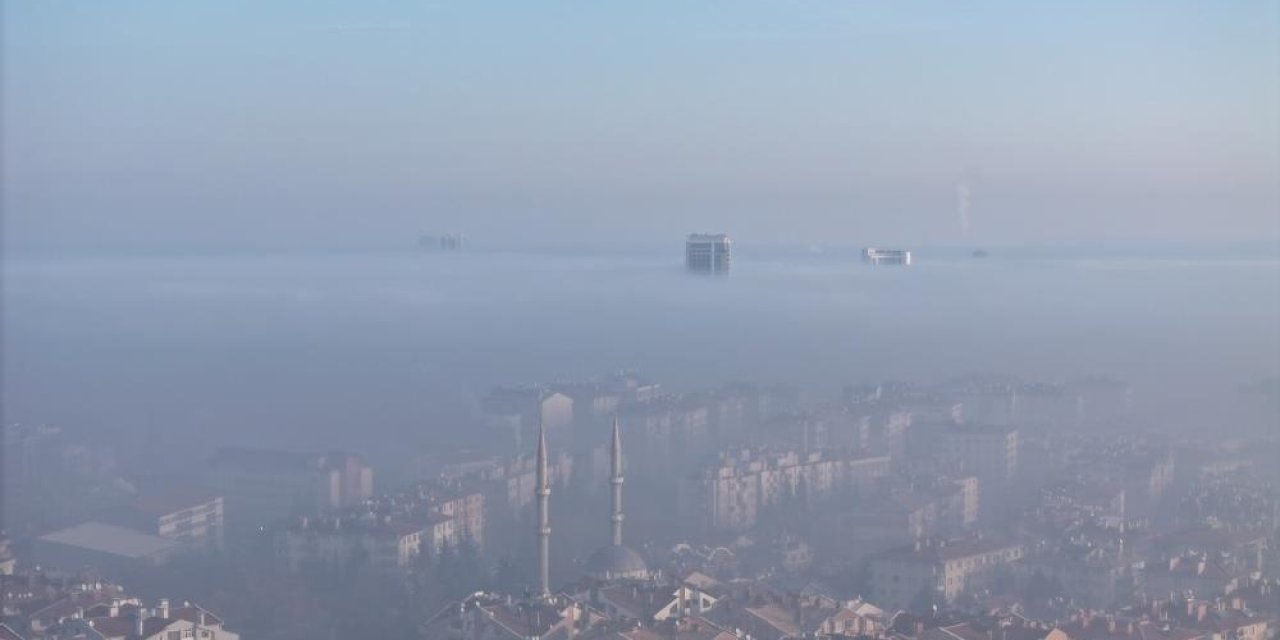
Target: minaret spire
544	517
615	479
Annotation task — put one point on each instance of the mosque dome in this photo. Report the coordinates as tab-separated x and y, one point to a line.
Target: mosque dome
616	562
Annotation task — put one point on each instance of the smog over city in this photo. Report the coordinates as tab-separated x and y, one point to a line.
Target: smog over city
749	320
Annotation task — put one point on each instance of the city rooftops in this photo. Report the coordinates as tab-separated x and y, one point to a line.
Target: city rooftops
708	237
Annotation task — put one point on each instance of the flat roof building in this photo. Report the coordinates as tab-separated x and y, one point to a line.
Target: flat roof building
708	252
186	514
101	545
894	257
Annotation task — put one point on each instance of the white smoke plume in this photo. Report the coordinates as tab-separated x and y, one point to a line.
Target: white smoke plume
962	206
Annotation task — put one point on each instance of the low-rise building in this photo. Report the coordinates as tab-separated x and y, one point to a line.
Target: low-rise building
264	486
103	546
133	621
939	569
188	516
41	605
487	616
384	542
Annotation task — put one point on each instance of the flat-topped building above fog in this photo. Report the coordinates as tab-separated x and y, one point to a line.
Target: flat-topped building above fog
708	252
891	257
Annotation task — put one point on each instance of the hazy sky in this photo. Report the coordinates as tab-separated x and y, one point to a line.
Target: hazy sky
225	124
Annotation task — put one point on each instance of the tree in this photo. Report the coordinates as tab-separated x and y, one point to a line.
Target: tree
925	603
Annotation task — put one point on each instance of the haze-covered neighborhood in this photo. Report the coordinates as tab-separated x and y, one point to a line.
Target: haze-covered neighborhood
642	321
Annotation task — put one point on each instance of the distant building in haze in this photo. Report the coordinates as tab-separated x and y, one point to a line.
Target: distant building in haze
892	257
943	569
446	242
104	546
520	410
188	515
730	494
708	253
263	486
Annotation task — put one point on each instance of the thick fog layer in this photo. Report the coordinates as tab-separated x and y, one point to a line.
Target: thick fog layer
740	320
357	350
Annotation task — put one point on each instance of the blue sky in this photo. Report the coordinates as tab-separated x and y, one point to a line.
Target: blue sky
174	125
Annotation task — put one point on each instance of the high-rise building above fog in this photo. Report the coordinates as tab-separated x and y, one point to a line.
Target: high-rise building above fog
892	257
708	252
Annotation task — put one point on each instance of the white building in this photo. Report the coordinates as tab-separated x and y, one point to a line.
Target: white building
878	257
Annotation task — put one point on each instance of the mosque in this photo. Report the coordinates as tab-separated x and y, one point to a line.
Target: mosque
609	563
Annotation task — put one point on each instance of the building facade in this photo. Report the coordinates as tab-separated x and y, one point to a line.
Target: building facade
708	253
939	569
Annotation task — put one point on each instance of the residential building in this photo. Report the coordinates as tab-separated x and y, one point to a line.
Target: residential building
989	452
487	616
265	486
521	411
730	494
44	605
941	568
192	517
652	602
708	253
383	542
133	621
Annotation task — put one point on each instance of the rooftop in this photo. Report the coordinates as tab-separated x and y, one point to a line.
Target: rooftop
108	538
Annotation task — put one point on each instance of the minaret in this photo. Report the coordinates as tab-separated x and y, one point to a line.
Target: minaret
616	481
544	517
